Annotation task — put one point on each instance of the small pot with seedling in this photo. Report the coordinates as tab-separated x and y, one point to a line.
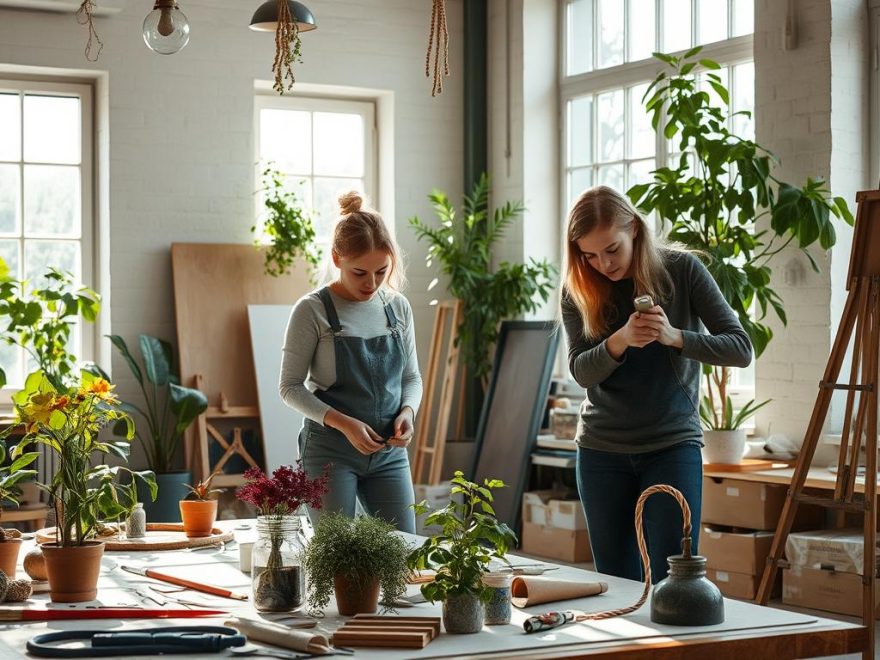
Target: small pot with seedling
199	511
10	476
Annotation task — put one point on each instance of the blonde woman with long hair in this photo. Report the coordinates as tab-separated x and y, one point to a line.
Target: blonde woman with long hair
640	423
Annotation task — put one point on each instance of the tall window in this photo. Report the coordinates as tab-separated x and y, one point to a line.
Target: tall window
607	67
46	216
323	146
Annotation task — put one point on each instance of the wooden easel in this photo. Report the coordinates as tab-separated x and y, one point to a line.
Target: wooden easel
862	312
433	425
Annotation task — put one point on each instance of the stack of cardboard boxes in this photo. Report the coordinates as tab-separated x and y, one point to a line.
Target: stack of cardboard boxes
554	526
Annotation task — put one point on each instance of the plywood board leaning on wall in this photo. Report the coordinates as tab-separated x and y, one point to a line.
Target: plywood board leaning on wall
213	285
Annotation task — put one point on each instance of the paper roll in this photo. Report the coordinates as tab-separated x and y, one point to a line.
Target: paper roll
278	635
526	590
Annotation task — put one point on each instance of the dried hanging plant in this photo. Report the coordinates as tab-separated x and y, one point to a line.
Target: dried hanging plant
84	16
441	34
288	49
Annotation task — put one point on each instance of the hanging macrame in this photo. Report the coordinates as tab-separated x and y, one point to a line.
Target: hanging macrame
438	39
288	49
84	16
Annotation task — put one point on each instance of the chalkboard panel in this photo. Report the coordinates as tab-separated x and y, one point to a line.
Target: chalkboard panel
512	412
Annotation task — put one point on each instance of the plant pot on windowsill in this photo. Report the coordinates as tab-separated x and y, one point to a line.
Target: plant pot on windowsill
73	570
725	447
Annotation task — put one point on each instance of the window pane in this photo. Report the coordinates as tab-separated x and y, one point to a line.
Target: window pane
10	119
611	175
52	129
10	361
743	17
10	199
52	205
640	172
339	144
39	255
642	137
580	131
286	139
610	21
713	21
744	99
9	254
611	125
579	41
326	195
642	29
676	25
579	181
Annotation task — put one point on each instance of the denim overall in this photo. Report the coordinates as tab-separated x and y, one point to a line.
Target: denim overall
368	387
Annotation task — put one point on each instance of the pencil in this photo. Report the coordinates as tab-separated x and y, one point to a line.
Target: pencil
30	614
182	582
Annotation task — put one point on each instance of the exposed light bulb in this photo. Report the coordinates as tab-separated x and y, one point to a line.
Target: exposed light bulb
166	29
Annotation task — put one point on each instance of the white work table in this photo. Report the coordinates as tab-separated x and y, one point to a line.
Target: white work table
749	630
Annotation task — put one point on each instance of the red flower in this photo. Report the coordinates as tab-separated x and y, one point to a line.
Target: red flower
285	492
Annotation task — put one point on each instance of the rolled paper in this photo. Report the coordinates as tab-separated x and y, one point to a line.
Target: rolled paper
279	635
527	590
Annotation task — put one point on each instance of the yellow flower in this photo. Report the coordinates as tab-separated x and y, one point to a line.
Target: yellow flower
39	408
61	402
101	388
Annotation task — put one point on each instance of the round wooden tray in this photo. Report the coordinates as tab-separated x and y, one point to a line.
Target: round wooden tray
160	536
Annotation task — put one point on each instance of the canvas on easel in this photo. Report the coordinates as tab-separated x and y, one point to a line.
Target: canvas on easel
213	285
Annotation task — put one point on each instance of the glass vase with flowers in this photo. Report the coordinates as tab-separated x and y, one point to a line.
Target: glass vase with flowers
277	557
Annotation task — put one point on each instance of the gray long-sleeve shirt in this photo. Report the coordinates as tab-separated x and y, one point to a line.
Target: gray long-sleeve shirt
308	358
649	399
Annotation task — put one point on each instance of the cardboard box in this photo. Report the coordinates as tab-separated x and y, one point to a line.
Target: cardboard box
752	505
829	549
740	585
738	552
832	591
555	543
548	508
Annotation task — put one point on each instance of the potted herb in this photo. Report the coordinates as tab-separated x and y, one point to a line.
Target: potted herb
722	201
199	510
11	474
463	245
724	434
461	553
68	422
287	228
355	558
167	411
276	559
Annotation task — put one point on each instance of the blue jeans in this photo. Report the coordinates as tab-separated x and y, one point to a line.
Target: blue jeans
609	484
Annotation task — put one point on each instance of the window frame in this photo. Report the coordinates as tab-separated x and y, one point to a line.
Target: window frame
89	336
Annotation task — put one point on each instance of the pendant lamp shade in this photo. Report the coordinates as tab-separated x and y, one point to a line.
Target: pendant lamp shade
265	19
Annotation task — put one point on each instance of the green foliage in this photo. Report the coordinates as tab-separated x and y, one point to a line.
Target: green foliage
361	549
11	475
470	539
170	407
463	247
288	227
716	406
39	319
202	491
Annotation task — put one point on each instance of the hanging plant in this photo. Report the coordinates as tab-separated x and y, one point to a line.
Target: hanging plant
288	49
84	16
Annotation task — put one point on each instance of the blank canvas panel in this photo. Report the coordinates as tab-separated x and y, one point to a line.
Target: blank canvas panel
513	410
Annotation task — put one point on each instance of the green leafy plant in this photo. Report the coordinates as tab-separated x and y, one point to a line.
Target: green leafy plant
69	423
287	226
39	320
11	475
202	491
168	409
722	201
360	549
470	539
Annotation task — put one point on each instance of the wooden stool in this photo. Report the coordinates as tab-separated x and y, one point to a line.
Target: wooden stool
34	514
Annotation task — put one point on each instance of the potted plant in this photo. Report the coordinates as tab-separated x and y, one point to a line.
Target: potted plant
722	201
68	422
287	230
276	559
463	245
723	433
11	474
355	558
199	513
167	411
461	553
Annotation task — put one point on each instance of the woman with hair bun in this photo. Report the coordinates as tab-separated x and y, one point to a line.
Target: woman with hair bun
349	365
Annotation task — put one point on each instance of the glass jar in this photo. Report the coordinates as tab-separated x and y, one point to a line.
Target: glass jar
277	575
136	524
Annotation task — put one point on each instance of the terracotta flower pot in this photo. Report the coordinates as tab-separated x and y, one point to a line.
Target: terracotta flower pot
73	571
9	556
353	598
198	517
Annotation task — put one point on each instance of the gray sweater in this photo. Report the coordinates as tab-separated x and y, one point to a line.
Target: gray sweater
649	400
308	358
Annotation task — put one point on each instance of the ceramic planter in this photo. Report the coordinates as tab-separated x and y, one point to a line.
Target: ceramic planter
354	598
9	556
725	447
463	615
73	571
198	517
